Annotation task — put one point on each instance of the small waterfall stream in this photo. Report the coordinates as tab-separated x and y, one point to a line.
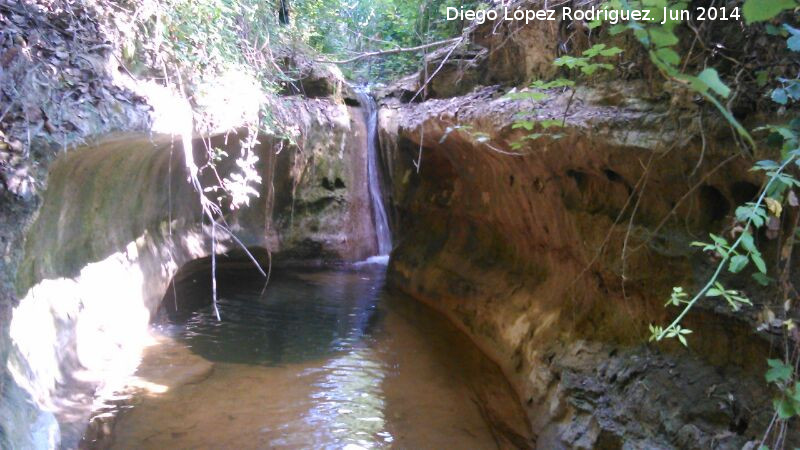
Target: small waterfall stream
378	210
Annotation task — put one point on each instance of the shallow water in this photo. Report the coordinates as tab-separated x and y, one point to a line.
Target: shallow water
318	359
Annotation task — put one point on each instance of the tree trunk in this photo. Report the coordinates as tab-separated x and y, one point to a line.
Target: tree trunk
283	12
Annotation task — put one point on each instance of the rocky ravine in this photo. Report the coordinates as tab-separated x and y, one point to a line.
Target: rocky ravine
509	247
120	216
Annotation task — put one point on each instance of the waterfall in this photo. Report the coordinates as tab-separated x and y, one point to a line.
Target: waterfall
373	175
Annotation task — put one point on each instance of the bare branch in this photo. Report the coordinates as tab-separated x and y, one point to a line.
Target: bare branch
390	52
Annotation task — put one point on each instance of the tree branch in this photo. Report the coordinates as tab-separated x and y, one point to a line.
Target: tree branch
389	52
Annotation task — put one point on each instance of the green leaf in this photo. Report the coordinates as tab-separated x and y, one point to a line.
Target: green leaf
611	51
594	51
617	29
711	78
761	10
785	408
761	279
547	123
759	262
779	96
794	43
668	56
778	371
589	69
772	30
718	239
738	263
762	78
662	37
793	89
526	95
570	61
525	124
558	82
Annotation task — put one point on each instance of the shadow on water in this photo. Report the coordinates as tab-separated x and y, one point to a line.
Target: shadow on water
298	317
320	359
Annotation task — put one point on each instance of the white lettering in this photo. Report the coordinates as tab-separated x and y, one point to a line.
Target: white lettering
451	9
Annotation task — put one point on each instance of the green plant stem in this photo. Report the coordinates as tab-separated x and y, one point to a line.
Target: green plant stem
722	263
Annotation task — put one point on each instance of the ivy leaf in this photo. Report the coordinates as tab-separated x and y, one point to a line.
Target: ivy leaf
785	408
778	371
761	10
711	78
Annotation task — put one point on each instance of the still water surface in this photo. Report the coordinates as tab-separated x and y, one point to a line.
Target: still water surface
318	359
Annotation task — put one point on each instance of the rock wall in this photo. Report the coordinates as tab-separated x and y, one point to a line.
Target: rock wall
556	255
539	258
117	220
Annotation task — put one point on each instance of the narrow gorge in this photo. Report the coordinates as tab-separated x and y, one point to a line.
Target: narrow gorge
468	244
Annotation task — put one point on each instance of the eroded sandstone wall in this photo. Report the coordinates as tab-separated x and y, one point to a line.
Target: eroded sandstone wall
537	258
119	218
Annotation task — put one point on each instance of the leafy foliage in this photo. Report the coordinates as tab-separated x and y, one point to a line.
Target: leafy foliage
341	27
760	10
587	64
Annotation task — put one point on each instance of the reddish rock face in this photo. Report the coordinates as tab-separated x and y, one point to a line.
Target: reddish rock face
537	257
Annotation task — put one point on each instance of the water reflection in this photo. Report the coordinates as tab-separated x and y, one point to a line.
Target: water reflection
325	359
349	400
299	317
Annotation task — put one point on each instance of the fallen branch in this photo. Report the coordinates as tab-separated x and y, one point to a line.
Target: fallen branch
390	52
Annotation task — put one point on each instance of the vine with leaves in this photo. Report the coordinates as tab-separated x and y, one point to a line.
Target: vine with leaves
777	195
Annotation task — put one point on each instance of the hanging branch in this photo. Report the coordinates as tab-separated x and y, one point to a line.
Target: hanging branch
390	52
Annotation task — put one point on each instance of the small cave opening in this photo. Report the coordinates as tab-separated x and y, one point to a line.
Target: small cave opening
613	177
350	101
714	206
743	192
579	177
190	287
